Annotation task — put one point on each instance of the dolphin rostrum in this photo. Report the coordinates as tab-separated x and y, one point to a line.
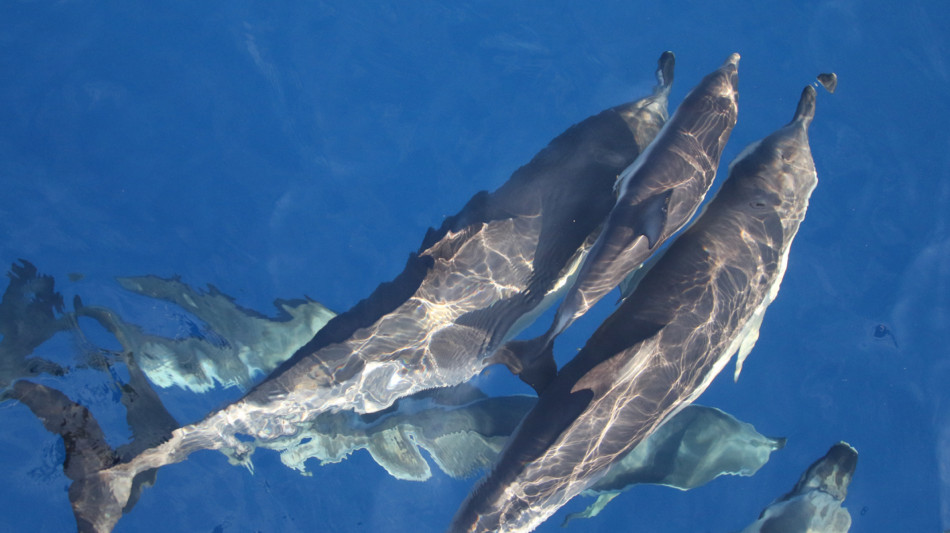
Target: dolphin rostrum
657	195
664	345
472	284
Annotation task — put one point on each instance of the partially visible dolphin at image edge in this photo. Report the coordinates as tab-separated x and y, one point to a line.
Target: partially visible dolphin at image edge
664	345
814	503
474	283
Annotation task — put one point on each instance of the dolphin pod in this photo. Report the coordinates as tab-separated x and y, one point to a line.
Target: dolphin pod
661	190
473	284
587	211
657	196
664	345
460	428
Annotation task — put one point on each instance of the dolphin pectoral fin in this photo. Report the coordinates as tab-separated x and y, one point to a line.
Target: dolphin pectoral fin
497	319
593	509
531	360
630	283
649	218
748	342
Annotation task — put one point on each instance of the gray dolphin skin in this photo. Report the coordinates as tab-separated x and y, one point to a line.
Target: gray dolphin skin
814	503
664	345
657	196
473	283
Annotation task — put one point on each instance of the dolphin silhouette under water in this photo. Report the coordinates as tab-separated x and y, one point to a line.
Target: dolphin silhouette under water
658	194
814	503
664	345
474	282
690	449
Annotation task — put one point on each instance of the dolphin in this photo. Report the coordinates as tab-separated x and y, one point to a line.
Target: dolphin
473	283
31	312
664	345
249	343
657	195
814	503
690	449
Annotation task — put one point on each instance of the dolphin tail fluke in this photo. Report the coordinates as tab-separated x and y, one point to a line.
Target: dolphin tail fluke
593	509
647	219
88	455
531	360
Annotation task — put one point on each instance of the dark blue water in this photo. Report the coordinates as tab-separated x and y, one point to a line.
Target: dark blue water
304	150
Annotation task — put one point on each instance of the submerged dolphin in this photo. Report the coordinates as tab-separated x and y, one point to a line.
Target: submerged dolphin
658	194
664	345
690	449
31	312
249	345
472	285
814	503
86	447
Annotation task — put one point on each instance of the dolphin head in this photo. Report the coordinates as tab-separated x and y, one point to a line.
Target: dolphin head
721	88
716	100
778	173
831	474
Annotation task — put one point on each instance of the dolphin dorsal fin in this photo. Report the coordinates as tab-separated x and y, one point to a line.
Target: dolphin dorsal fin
651	217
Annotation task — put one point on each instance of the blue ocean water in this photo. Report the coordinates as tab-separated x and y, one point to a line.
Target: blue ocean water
304	149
